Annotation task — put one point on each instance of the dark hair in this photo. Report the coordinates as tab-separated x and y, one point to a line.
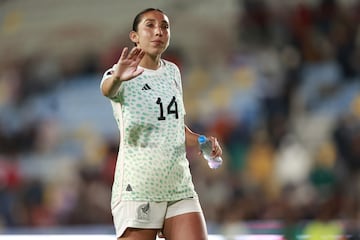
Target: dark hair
138	17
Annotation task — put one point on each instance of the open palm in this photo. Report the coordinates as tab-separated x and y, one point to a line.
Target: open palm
127	66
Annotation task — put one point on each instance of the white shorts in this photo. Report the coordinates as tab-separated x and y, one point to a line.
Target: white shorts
150	215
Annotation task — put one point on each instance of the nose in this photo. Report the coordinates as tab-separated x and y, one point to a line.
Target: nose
158	31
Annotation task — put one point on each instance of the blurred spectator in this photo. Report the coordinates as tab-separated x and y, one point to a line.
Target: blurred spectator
347	139
324	225
292	164
9	185
260	163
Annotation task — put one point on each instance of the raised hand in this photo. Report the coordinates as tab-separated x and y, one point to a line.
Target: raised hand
127	66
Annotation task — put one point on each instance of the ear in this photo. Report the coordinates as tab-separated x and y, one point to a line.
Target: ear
134	37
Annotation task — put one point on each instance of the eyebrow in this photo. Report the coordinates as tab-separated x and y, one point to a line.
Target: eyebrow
153	20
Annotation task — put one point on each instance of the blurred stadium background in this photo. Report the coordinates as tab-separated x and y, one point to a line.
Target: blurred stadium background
278	82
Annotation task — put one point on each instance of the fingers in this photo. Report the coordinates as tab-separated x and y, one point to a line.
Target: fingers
135	54
216	148
139	56
124	53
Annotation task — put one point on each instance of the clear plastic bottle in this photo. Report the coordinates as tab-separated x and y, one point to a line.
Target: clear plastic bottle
206	148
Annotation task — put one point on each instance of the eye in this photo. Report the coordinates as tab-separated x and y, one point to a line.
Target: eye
165	26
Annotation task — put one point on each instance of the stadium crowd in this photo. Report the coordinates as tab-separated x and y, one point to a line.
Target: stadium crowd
284	102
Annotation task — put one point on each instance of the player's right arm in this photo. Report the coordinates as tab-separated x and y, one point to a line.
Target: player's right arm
125	69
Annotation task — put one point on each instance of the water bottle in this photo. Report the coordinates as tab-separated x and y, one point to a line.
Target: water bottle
206	148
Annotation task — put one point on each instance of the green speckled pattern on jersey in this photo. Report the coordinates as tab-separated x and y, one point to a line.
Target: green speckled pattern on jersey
152	164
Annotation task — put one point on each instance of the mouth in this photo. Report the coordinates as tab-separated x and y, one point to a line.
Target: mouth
157	42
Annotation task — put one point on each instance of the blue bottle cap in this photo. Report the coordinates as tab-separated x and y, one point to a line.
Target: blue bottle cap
202	139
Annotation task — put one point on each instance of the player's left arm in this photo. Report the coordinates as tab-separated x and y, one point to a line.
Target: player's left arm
191	139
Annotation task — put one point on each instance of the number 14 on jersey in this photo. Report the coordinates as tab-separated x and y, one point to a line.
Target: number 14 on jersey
172	108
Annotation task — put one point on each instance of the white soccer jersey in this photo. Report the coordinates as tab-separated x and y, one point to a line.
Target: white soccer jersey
149	112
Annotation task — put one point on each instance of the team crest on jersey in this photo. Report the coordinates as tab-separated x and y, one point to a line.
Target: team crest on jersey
143	211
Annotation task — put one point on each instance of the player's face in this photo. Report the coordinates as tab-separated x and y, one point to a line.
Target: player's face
153	33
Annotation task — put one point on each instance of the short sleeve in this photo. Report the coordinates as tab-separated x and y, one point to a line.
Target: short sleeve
106	75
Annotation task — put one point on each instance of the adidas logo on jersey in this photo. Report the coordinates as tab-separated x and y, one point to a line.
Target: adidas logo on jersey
146	87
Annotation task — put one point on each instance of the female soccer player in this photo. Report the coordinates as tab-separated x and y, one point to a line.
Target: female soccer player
152	190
